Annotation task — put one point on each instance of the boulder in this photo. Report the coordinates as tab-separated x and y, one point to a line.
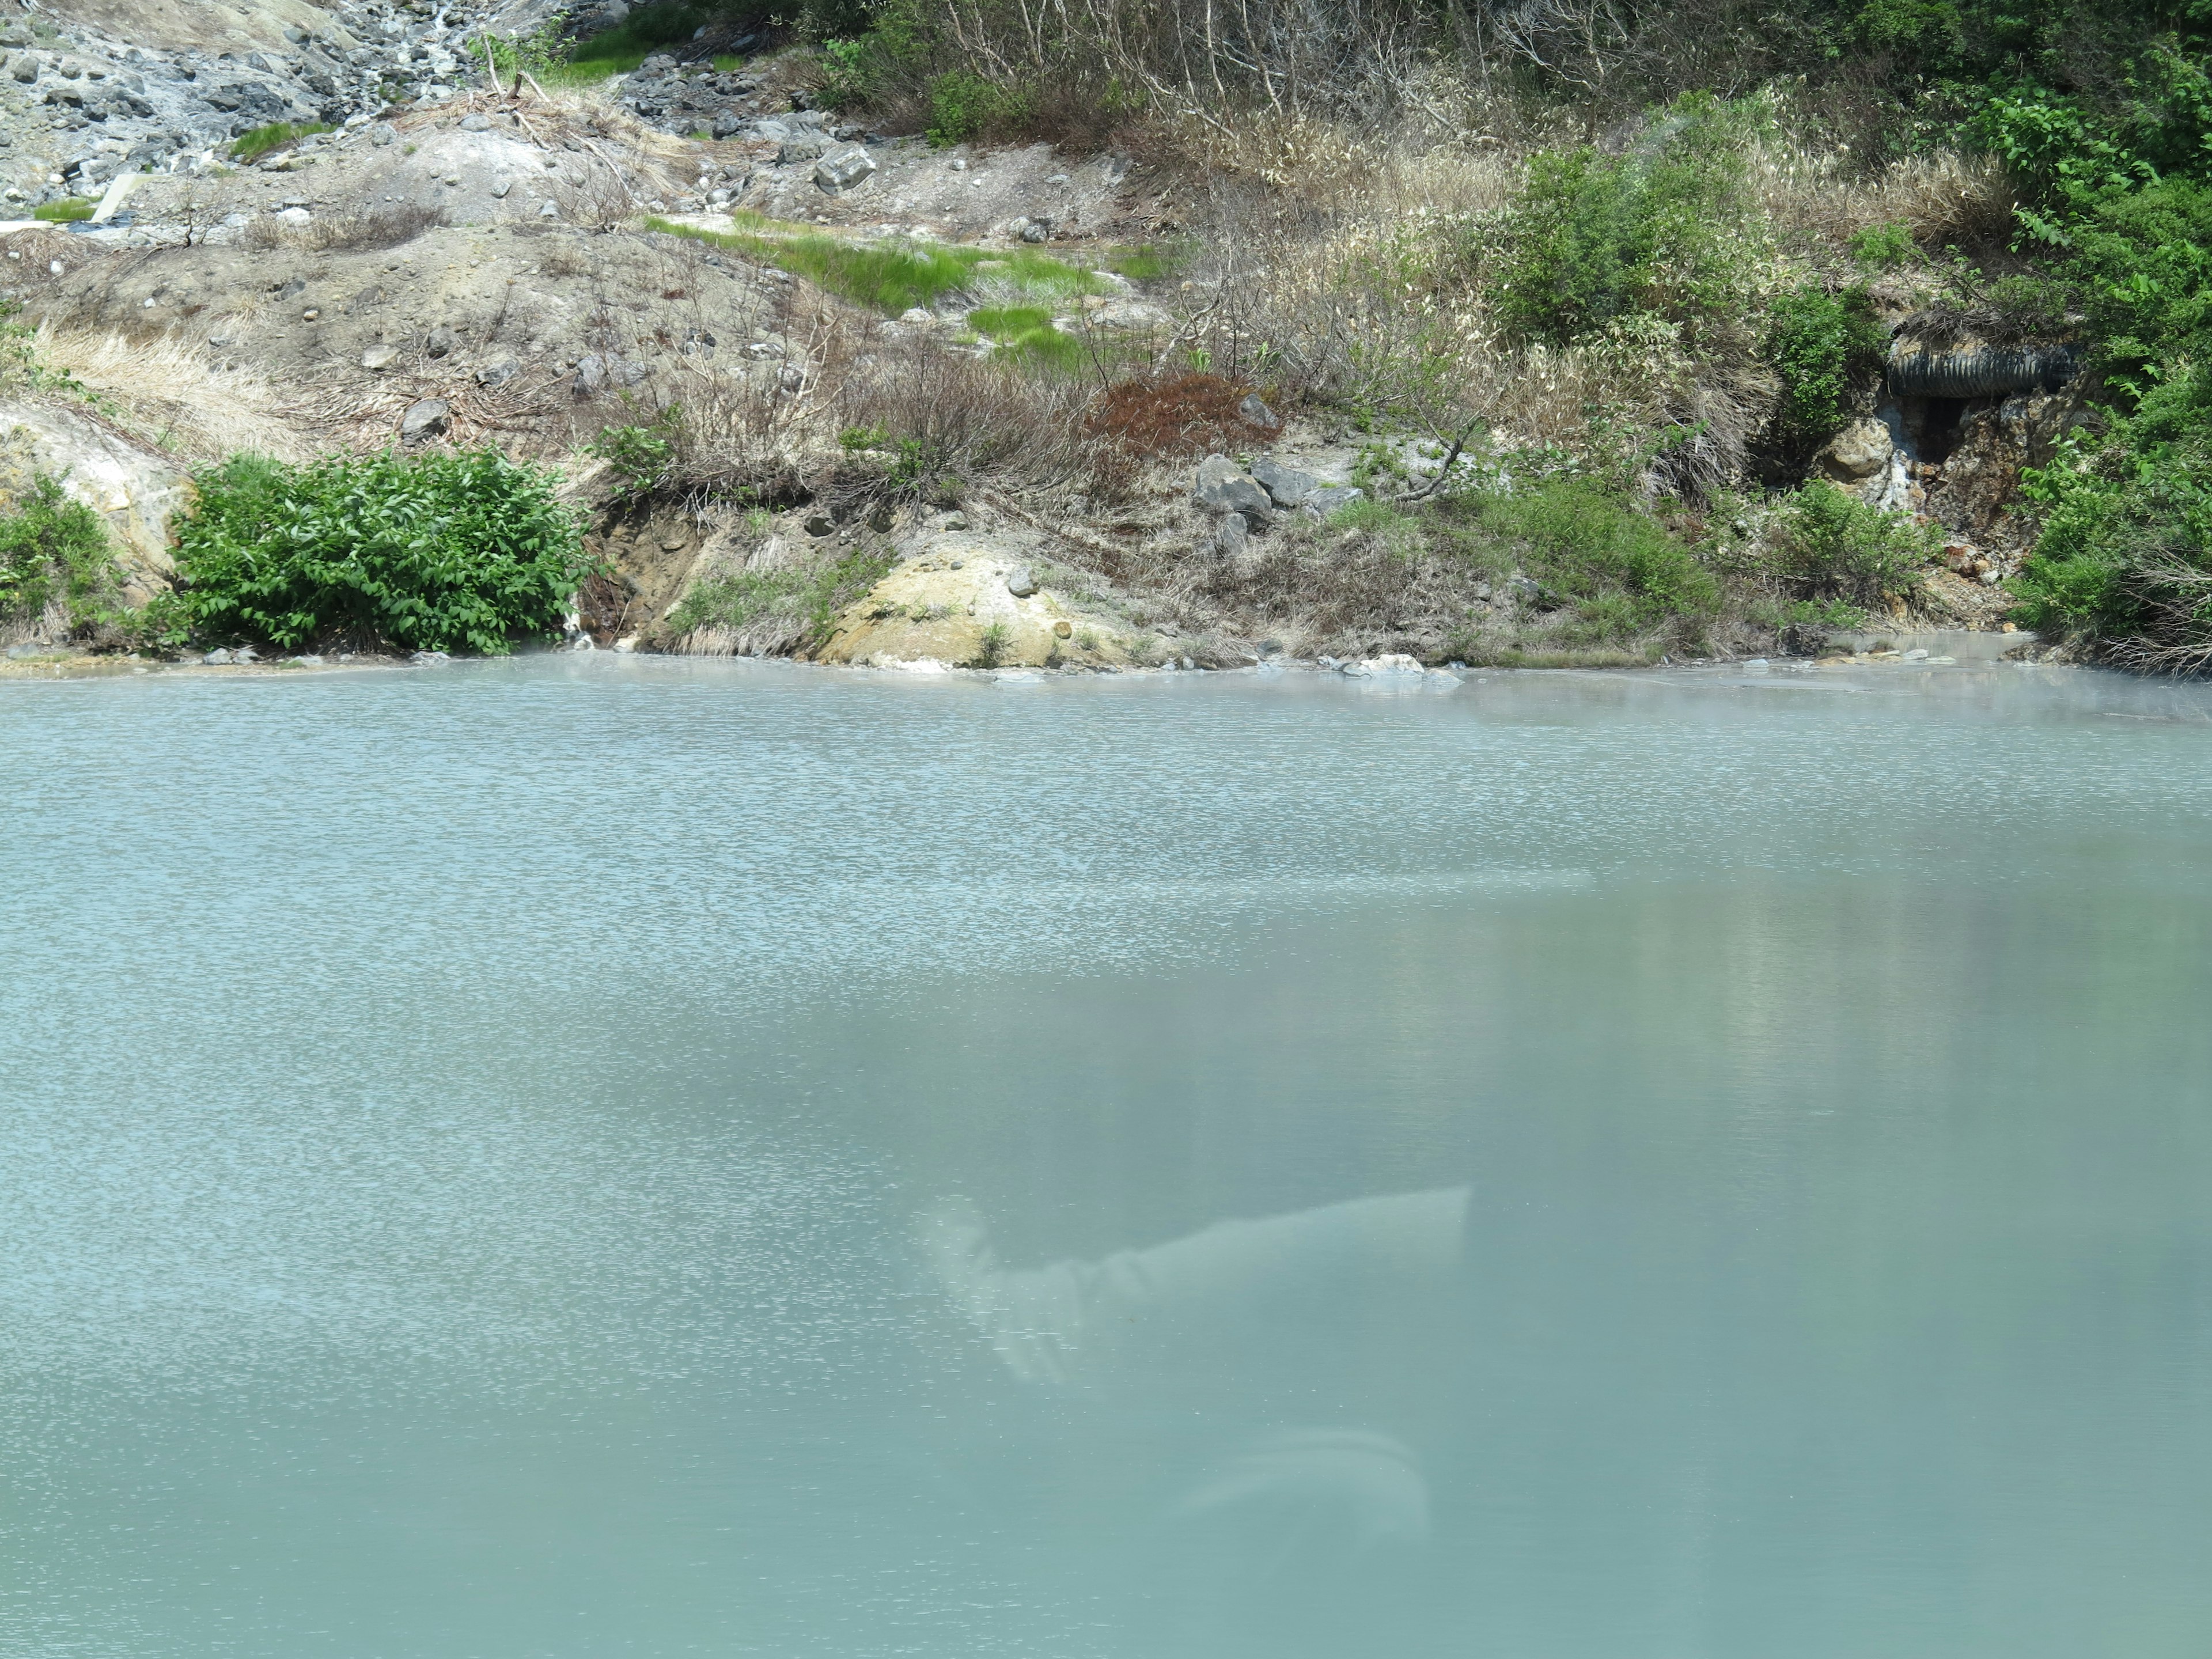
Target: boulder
1222	487
727	125
383	133
1285	486
440	341
1254	412
431	417
1021	581
1232	536
1859	451
845	169
475	123
803	147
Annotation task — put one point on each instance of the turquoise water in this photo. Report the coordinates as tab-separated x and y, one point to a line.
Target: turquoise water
579	1157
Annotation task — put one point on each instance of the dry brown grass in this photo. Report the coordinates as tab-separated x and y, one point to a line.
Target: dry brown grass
167	391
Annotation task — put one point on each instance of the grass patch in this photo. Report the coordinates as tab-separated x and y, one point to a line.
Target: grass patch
1145	263
64	211
1027	329
252	146
889	277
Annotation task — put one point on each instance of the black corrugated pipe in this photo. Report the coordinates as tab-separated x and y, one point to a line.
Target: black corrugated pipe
1981	371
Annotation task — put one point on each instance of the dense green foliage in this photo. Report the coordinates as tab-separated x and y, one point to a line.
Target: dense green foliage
463	551
1834	546
1595	237
642	454
1820	343
54	547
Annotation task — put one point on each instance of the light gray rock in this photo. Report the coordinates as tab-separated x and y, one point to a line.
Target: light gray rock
547	210
493	376
1285	486
378	358
501	189
1254	409
216	658
1330	497
383	133
429	418
591	377
475	123
1222	487
1021	583
801	147
843	170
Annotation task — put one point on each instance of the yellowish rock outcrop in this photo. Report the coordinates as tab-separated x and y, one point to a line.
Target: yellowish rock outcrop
967	604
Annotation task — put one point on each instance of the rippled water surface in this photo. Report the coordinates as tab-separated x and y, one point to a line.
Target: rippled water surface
591	1156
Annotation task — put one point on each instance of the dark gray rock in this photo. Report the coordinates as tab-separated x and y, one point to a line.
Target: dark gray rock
1223	487
430	418
1331	496
1254	409
493	376
1232	536
1285	486
845	169
440	342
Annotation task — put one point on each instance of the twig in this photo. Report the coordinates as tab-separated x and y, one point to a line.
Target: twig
1444	471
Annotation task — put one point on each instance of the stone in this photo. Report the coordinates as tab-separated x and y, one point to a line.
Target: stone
547	210
216	658
917	316
804	147
1030	230
727	125
294	216
475	123
500	190
1222	487
440	342
1021	583
1859	451
378	358
1330	497
1232	535
383	133
429	418
843	170
1254	412
245	653
493	376
953	521
1285	486
591	377
820	524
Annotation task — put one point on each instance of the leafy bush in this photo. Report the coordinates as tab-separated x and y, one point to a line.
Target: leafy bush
1834	546
457	551
1883	247
1595	238
642	454
54	547
2143	261
965	105
1818	343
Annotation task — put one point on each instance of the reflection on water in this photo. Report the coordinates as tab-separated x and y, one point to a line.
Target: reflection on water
566	1158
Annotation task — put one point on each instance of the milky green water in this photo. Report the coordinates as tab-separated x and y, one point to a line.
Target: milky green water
591	1156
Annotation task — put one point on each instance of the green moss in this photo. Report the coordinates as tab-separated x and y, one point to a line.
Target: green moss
64	211
889	277
251	146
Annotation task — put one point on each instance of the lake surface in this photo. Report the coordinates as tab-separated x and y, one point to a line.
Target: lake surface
589	1157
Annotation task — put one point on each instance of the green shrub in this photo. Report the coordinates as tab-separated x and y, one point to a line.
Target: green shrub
1594	238
1833	545
66	211
1587	547
1818	343
251	146
965	105
642	455
2143	261
54	547
456	551
1883	247
991	645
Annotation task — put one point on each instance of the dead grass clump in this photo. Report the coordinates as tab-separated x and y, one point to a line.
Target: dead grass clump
951	418
1191	414
167	391
361	232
